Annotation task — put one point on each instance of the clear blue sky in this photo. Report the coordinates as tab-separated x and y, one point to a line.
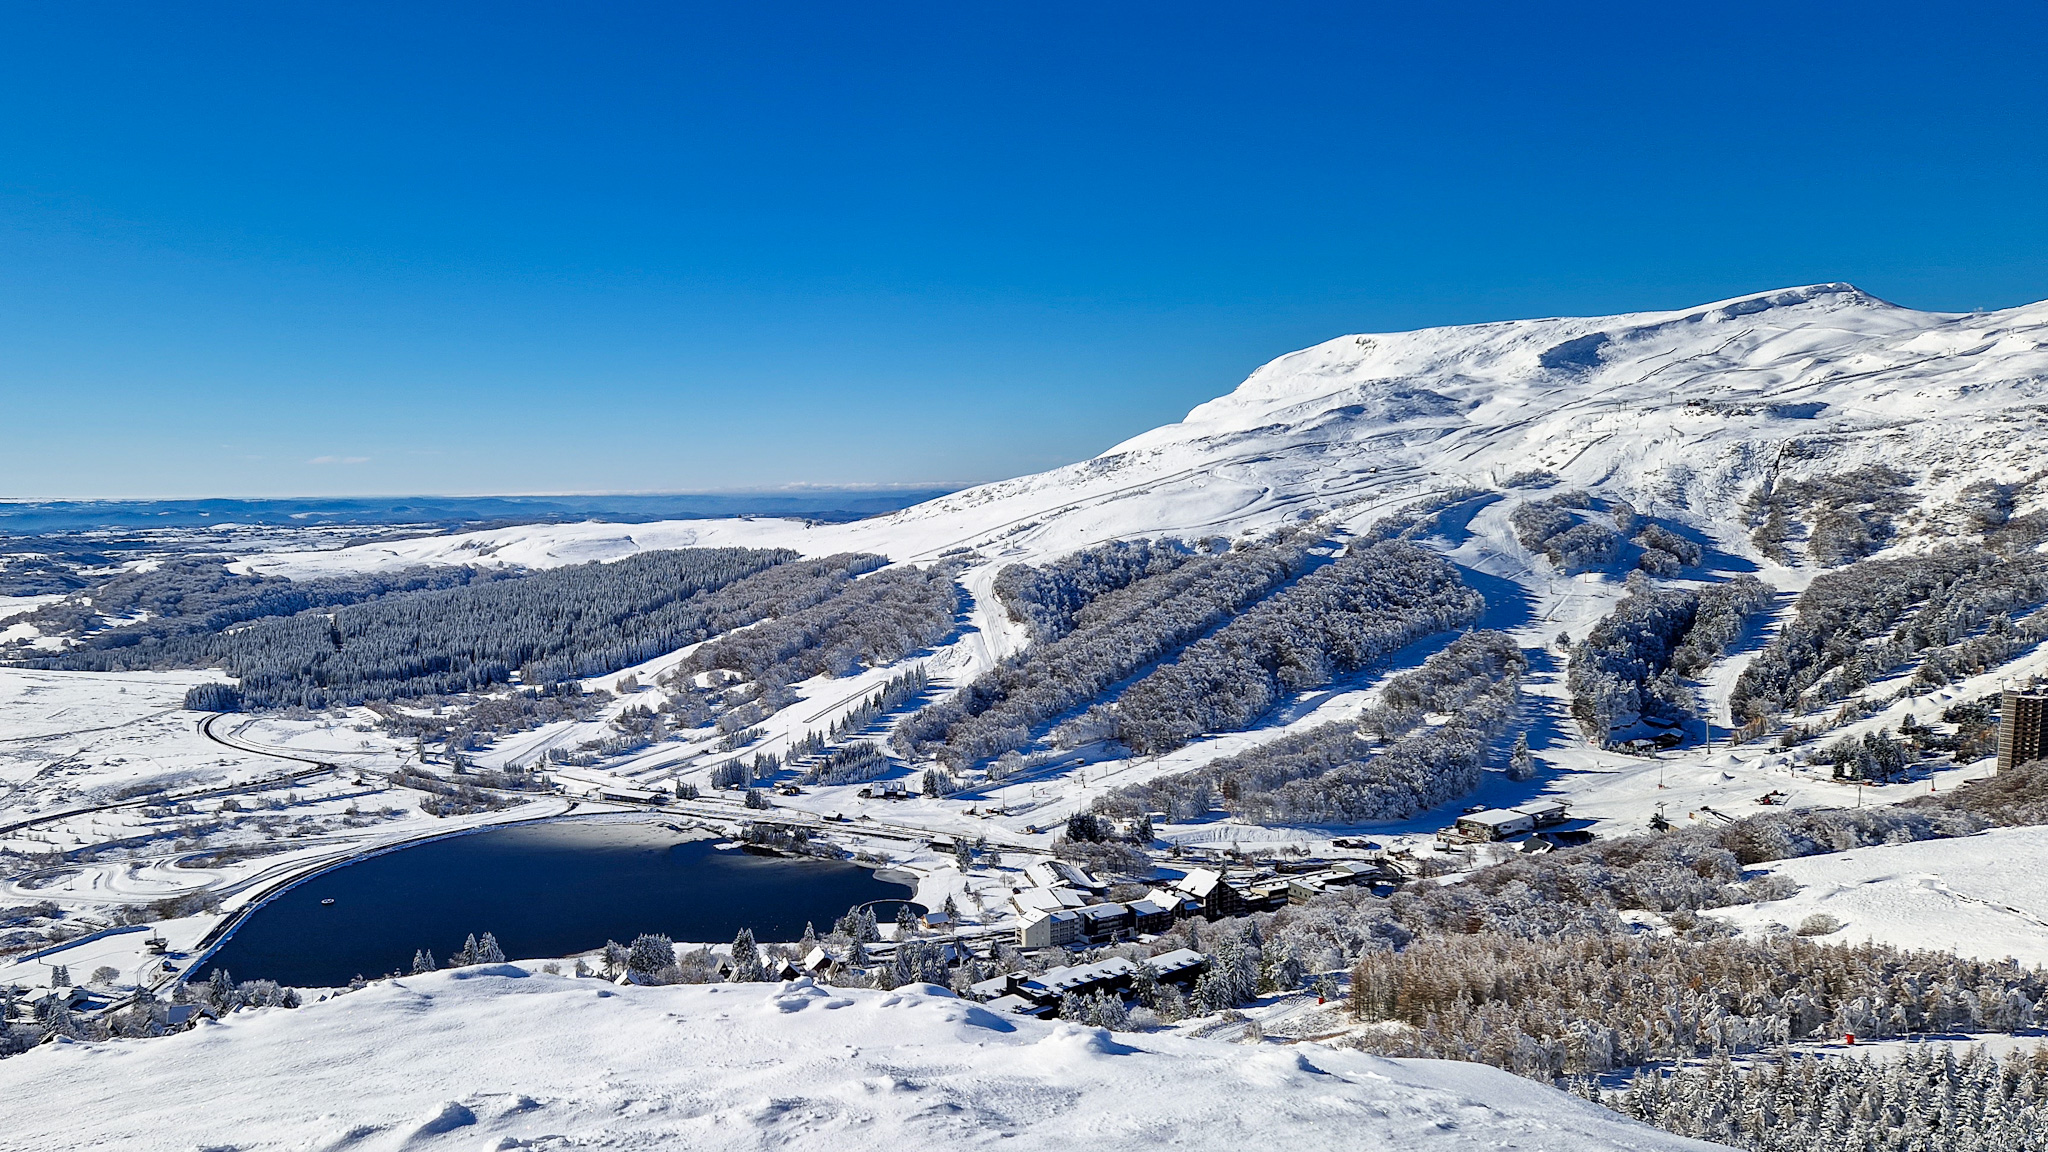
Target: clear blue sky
433	248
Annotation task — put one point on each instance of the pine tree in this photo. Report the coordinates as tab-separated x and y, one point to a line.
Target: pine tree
1284	971
488	952
651	953
1521	766
422	962
746	959
1109	1012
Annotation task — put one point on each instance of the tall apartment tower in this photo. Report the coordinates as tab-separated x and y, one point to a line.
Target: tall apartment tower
2022	728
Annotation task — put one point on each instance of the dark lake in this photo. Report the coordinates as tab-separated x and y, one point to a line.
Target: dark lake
546	890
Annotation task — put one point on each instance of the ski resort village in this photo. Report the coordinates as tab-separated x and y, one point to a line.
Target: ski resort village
1595	733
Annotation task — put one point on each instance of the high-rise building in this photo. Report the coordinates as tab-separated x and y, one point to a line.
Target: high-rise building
2022	728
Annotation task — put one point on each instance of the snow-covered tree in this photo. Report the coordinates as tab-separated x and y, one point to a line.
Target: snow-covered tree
651	953
746	958
1521	765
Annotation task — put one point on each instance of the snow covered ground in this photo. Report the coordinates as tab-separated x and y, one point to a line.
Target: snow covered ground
1977	896
492	1057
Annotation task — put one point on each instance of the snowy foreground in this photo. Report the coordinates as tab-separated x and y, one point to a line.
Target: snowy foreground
492	1058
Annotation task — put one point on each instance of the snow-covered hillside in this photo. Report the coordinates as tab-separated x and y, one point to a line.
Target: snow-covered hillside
1975	896
491	1057
1681	412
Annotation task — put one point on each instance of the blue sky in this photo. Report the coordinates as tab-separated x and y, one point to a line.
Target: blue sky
367	249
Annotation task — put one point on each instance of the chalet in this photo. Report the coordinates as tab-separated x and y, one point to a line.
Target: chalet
1493	824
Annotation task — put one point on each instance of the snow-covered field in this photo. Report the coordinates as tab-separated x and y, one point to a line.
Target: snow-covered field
1978	896
492	1057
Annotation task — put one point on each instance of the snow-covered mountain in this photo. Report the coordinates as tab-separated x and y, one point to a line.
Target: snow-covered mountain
490	1057
1682	413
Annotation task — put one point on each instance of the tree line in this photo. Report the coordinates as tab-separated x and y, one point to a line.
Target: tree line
1115	635
548	626
1629	667
1387	765
1333	621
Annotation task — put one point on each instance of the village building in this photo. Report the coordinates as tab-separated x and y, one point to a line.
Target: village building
1345	874
1049	987
1060	874
2022	728
1507	823
1041	928
1040	995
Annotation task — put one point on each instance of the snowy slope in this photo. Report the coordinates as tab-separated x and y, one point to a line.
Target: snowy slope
489	1058
1977	896
1682	412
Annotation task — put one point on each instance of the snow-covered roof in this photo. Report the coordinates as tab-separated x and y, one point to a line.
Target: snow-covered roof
1178	960
1495	818
1057	981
